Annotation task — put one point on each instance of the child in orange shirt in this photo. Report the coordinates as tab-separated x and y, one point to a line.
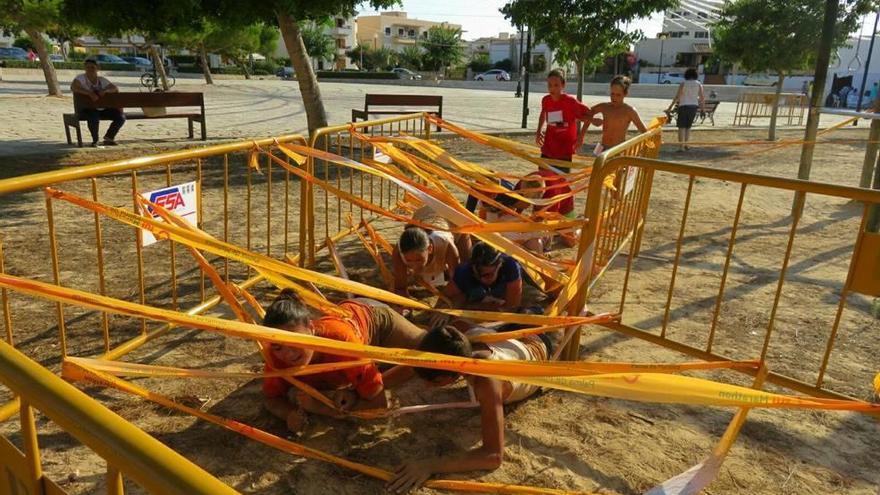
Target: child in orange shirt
359	387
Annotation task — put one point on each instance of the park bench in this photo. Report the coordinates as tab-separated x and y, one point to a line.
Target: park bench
709	107
400	104
143	100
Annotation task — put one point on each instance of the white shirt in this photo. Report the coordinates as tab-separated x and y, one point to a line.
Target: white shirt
690	93
85	83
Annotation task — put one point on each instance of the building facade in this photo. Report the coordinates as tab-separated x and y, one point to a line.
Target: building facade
686	39
394	30
343	30
506	46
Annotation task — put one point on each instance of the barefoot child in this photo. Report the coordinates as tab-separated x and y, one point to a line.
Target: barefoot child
359	387
616	116
419	254
491	393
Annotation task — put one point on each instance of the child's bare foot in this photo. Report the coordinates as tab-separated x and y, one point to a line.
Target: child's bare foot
297	420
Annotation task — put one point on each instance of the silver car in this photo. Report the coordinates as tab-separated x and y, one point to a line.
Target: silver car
494	74
403	73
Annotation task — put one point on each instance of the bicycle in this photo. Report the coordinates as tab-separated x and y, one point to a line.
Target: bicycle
151	81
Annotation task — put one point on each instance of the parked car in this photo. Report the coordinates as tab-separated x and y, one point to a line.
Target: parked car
403	73
761	80
496	74
139	62
671	78
13	53
106	58
56	57
285	73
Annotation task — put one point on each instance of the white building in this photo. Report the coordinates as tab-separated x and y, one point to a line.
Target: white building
507	46
686	39
344	33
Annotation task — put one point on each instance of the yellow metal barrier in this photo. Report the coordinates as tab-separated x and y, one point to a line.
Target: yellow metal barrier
859	275
126	448
749	106
111	260
340	140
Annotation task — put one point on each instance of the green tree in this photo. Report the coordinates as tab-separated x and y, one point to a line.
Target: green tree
319	45
289	16
480	62
126	18
768	35
383	58
582	31
411	57
24	43
443	47
34	17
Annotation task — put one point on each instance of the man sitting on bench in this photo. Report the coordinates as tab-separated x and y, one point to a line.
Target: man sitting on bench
93	86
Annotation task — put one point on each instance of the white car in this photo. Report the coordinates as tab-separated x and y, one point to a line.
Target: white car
496	74
761	80
404	73
671	78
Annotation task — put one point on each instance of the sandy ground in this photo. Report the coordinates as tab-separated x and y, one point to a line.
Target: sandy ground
555	439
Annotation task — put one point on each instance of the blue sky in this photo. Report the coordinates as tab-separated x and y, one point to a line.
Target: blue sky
480	18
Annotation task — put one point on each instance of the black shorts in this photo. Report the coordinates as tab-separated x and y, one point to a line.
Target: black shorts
564	170
686	116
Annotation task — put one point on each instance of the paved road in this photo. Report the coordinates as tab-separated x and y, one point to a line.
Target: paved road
31	122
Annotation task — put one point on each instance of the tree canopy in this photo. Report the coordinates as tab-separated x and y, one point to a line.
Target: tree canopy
582	31
442	47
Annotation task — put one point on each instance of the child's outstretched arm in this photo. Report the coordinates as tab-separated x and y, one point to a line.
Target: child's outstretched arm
488	456
539	134
637	120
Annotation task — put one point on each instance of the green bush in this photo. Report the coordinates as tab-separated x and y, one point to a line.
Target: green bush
27	64
329	74
183	59
264	66
506	65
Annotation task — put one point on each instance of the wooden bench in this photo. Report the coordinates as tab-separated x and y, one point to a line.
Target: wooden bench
129	100
709	107
397	102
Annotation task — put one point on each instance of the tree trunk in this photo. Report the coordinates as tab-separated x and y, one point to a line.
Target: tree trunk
772	135
580	70
206	70
158	64
305	76
48	69
243	66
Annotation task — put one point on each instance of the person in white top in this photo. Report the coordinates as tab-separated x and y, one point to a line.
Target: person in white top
690	99
92	86
491	393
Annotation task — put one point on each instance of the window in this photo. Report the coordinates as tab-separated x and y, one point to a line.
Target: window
340	42
425	34
400	31
701	34
411	33
703	15
675	34
388	31
340	22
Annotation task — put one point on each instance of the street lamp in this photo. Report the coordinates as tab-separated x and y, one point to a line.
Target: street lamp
662	37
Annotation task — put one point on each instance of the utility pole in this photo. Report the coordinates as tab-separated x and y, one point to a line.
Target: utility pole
823	58
519	68
868	63
526	63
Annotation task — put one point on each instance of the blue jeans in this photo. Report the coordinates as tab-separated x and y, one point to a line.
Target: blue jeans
94	116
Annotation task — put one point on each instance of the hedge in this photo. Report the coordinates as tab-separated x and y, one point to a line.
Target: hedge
329	74
27	64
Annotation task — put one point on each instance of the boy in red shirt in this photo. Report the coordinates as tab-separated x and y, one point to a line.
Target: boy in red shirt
560	112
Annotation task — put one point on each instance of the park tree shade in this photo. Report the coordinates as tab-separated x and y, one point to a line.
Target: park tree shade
34	17
768	35
289	14
150	19
582	31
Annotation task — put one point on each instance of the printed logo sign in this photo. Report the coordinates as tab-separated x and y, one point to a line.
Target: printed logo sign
180	200
380	157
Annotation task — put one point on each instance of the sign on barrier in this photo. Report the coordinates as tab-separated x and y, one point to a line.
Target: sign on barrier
181	199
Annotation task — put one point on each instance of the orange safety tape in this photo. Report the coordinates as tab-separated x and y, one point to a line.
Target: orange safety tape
79	372
648	387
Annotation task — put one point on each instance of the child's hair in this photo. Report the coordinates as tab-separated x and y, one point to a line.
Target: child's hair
557	73
483	254
622	81
90	61
287	309
443	340
690	74
413	239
